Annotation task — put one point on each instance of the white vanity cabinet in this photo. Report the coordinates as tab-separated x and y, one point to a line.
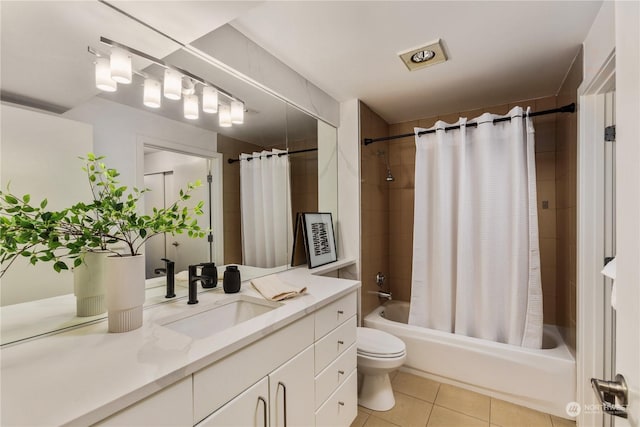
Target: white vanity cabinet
335	359
171	406
284	397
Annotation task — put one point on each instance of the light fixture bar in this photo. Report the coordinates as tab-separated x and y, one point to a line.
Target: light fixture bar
162	63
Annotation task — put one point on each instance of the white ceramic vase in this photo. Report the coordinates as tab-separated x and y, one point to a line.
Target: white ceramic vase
124	279
88	285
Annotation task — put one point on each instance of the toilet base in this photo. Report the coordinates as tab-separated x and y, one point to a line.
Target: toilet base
376	392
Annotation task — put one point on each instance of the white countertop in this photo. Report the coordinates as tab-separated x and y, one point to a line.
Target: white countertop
84	375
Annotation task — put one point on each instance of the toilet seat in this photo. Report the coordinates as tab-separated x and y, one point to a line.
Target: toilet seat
379	344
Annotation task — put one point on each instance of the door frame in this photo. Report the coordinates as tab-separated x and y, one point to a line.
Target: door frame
590	238
216	168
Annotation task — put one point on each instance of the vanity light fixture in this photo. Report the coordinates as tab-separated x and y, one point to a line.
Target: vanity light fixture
103	76
224	115
237	112
120	65
172	84
176	83
209	100
152	93
191	107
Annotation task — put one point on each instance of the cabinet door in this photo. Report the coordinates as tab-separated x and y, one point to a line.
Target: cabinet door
291	388
250	408
172	406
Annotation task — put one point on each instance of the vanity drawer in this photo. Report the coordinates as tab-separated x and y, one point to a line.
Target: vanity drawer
327	318
220	382
341	407
334	344
335	374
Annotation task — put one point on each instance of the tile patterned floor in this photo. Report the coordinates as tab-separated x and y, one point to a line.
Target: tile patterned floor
426	403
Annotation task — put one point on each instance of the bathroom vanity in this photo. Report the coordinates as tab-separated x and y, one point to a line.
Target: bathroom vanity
229	360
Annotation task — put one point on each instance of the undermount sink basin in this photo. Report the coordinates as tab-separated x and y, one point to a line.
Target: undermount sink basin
207	320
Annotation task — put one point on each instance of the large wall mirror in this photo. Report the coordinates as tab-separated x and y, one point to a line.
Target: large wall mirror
52	112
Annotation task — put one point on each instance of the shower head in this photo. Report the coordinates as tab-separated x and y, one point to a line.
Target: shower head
389	177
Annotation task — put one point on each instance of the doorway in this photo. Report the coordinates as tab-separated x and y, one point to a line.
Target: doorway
165	174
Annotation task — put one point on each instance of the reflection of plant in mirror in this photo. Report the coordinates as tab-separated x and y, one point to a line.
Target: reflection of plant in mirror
35	233
113	216
50	236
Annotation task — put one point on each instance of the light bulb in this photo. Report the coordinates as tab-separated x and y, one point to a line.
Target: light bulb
209	100
152	93
224	116
191	107
120	65
103	75
172	84
237	112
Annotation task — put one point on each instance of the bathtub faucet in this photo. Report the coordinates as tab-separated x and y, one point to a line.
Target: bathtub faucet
381	294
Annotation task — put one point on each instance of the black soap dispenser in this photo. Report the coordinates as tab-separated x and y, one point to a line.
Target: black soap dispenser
210	272
231	280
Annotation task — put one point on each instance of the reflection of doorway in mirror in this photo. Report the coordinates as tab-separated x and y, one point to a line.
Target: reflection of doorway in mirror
165	174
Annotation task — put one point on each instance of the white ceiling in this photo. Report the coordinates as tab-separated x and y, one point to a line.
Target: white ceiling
499	52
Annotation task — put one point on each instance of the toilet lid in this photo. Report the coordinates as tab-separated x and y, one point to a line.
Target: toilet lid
376	343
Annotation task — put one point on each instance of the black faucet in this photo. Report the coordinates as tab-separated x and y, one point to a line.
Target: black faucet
171	277
208	277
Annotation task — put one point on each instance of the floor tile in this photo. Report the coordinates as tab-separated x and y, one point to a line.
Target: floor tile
363	409
361	418
562	422
507	414
408	411
374	421
415	386
443	417
464	401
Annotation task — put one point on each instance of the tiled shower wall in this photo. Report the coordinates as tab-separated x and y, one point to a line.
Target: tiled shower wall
400	196
566	188
374	200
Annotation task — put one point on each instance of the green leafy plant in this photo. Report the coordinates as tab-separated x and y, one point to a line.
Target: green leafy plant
114	214
36	233
112	217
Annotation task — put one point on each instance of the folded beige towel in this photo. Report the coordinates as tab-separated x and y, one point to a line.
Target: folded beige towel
274	289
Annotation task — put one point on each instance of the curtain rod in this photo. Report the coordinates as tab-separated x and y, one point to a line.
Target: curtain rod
570	108
270	155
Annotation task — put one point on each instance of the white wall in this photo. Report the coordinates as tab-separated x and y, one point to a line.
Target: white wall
349	186
600	41
39	156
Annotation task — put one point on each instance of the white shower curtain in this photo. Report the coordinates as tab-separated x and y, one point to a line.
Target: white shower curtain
265	204
476	261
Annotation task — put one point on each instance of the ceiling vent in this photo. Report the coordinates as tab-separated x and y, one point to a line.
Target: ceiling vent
431	54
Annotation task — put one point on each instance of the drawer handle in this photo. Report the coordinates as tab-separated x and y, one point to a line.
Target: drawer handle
340	342
341	403
340	312
264	410
284	393
341	372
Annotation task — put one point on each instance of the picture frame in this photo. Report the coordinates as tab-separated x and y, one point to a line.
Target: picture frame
319	238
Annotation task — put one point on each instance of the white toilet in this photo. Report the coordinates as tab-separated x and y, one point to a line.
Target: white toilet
378	354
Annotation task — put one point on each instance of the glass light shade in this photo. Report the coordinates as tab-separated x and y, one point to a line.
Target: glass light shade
191	107
172	84
120	65
209	100
237	112
224	116
152	93
103	76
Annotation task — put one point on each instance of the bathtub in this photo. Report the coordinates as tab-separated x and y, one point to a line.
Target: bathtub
543	379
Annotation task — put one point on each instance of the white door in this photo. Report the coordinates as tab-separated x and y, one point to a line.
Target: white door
291	389
181	248
249	409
